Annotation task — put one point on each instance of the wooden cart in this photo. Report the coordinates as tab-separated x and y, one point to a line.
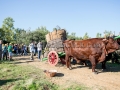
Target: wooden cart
54	48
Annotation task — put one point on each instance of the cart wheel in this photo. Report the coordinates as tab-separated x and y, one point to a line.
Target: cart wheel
52	58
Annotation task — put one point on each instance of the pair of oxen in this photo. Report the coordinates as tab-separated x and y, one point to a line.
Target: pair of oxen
96	50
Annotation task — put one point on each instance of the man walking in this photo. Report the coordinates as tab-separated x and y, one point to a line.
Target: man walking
39	47
31	46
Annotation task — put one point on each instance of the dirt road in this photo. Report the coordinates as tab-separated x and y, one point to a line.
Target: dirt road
108	80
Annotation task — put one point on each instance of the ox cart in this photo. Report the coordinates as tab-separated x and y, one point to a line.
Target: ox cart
54	50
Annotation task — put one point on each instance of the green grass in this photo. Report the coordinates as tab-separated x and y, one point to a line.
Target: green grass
21	77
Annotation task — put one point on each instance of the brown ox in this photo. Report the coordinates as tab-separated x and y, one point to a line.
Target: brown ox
94	49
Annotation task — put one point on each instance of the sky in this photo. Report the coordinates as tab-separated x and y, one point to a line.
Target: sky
78	16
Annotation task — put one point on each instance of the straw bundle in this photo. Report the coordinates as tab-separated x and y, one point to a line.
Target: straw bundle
48	37
54	32
51	36
60	32
54	37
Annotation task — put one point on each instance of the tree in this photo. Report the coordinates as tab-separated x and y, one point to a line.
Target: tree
17	34
71	36
8	27
2	33
26	36
107	33
98	35
42	31
78	38
86	36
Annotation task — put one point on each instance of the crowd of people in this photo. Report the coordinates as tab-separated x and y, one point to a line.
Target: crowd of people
9	49
21	49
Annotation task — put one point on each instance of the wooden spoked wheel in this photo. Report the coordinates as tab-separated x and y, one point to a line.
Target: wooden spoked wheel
53	58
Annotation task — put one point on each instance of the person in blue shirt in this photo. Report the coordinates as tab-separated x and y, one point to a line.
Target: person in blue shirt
5	51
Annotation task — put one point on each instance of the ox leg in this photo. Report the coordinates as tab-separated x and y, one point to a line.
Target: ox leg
116	58
70	67
93	62
84	62
104	65
68	62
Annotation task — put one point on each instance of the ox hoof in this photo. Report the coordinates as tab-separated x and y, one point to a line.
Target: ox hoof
95	73
104	70
70	68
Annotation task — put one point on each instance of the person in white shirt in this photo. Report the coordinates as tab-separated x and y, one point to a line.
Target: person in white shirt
39	47
31	46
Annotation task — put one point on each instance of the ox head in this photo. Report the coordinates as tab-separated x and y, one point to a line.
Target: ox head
111	44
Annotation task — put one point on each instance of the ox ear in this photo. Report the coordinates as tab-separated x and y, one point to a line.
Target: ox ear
105	41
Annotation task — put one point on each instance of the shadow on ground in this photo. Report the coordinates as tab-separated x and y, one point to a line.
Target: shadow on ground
110	67
3	82
59	74
22	58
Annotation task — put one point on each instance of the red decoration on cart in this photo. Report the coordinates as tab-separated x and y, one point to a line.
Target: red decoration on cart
53	58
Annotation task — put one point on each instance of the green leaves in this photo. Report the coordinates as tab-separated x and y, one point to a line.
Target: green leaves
86	36
8	28
2	33
98	35
73	36
107	33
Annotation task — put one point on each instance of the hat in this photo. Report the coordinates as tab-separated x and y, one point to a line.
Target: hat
117	37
